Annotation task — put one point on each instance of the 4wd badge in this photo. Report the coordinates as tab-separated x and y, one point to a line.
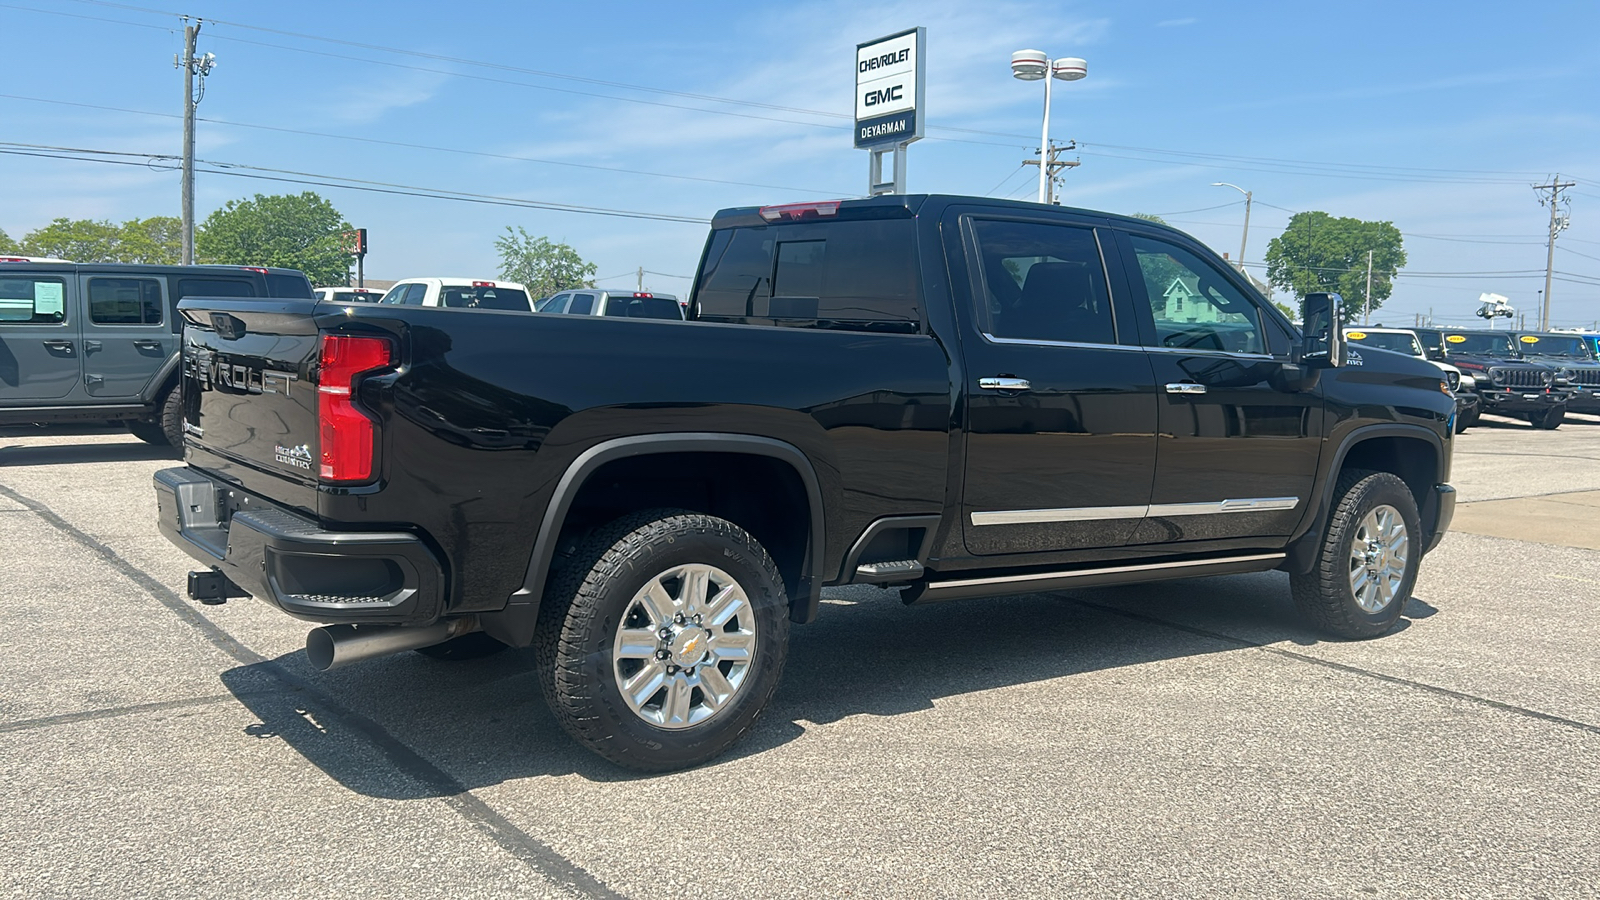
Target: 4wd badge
299	457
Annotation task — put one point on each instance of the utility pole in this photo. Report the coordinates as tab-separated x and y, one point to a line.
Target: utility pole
1366	312
1048	177
1558	223
192	66
641	279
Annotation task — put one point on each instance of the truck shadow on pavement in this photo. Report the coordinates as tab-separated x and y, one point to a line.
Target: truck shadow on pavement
67	454
393	727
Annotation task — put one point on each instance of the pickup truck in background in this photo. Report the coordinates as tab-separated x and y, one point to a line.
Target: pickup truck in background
953	396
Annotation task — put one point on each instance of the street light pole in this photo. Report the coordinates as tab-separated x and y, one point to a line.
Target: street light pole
1245	238
1034	65
1044	147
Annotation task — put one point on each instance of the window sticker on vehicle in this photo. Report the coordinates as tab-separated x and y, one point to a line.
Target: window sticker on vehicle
1356	335
47	298
1529	339
1456	338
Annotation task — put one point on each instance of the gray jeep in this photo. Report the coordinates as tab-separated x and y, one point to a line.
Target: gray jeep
100	342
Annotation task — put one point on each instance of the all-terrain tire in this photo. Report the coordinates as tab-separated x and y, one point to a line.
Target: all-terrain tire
1325	594
1548	420
475	645
167	429
595	593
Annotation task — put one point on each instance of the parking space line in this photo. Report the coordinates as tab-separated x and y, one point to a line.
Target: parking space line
132	710
1342	667
531	851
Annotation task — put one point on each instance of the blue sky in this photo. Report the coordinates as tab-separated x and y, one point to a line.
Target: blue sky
1435	116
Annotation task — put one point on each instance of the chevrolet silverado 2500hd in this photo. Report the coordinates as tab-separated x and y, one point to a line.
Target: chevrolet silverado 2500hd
953	396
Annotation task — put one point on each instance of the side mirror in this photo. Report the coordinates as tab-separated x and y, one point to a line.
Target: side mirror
1323	345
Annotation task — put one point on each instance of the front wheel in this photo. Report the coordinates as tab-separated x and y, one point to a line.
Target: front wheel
662	639
1367	565
1548	420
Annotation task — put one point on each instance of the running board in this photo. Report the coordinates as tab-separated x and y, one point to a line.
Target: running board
995	586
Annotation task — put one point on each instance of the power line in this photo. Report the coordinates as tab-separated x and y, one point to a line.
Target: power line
331	181
482	153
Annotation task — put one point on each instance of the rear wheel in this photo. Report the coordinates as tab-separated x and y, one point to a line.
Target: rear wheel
662	639
167	429
1548	420
1368	561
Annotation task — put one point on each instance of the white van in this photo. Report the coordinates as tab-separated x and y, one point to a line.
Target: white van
459	293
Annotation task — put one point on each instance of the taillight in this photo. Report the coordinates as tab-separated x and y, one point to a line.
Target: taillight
347	437
483	284
644	294
256	269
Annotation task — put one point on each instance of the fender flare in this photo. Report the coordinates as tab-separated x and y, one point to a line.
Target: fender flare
1302	550
514	625
163	377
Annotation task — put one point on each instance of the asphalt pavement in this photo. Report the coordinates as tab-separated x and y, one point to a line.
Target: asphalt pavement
1186	739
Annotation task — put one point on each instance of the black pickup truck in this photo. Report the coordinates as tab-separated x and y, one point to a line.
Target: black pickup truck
952	396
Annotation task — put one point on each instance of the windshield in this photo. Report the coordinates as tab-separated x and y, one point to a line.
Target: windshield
1399	342
1554	345
1479	342
483	297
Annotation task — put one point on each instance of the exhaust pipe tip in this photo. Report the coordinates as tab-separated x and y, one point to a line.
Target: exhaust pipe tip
336	646
322	645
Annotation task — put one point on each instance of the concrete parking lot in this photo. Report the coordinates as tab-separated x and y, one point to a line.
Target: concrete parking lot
1188	739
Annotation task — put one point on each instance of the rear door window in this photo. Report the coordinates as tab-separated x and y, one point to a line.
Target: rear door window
582	305
1043	282
125	301
33	300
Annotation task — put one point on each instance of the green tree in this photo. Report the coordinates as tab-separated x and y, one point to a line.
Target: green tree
295	231
1150	217
1319	252
157	240
80	240
542	266
7	245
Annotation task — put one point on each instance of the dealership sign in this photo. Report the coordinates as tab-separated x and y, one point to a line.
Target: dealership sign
889	89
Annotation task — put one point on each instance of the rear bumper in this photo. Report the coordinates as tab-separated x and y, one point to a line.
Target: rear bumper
293	563
1446	496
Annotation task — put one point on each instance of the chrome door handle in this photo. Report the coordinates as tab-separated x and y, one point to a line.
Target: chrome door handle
1004	384
1185	387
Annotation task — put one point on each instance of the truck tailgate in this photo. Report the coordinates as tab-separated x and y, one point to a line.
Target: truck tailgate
250	393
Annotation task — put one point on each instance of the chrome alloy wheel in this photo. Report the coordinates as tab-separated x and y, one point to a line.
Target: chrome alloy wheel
1378	555
684	646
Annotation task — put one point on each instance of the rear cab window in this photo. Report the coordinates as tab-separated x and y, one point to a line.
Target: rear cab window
858	275
286	284
483	297
33	299
215	287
